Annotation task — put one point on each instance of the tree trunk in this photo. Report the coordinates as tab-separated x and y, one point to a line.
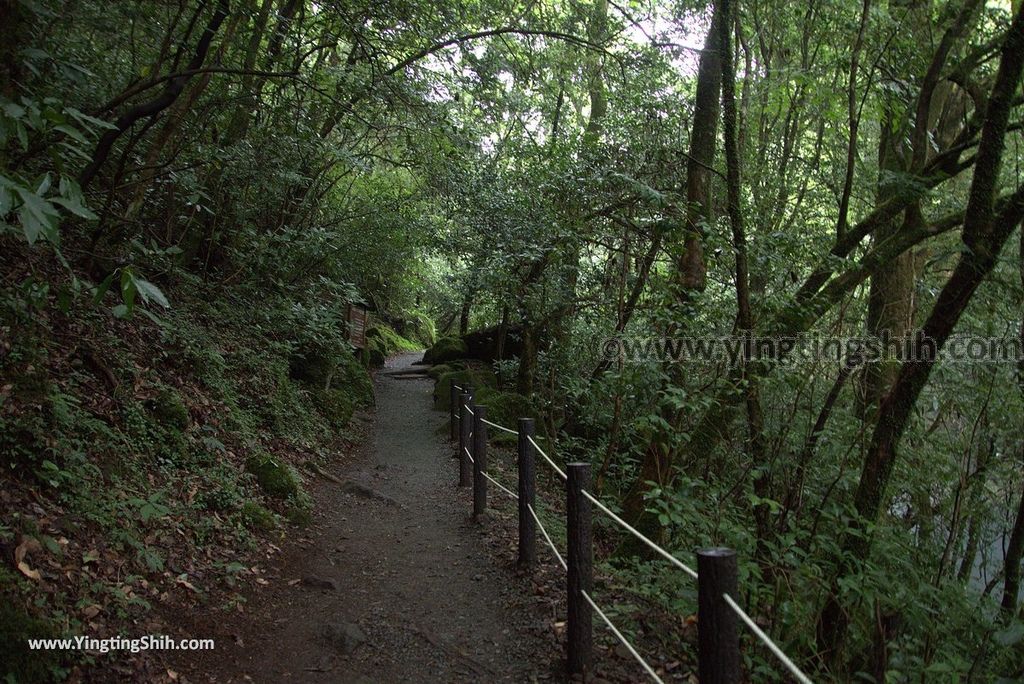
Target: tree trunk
597	27
691	269
1011	563
984	238
744	316
171	91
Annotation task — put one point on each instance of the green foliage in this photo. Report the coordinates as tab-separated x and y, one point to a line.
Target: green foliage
478	377
352	376
300	508
418	327
16	660
504	408
336	404
477	184
437	371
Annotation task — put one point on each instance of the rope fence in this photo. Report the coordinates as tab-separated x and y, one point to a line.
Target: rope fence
547	538
547	458
624	640
632	530
776	651
501	427
501	486
719	615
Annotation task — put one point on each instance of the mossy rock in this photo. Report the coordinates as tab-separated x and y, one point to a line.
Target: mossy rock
16	660
477	377
218	498
275	477
169	410
256	517
444	350
377	354
437	371
336	404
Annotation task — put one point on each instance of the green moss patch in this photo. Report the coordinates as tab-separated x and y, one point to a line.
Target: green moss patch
391	341
437	371
276	479
336	404
256	517
444	350
169	410
352	376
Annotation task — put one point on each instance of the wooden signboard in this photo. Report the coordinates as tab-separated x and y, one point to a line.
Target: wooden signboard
357	326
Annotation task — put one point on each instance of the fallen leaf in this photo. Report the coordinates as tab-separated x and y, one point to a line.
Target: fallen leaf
185	583
91	611
29	572
28	545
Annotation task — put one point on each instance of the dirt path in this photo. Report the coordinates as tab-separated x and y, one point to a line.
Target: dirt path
396	584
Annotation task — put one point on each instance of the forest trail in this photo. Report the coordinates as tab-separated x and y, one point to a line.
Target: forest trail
397	583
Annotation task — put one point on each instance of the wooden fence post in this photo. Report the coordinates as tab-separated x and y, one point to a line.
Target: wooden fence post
718	644
527	493
465	427
479	460
580	573
453	410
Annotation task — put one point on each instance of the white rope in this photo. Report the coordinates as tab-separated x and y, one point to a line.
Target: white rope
546	457
678	563
783	658
500	427
617	633
466	449
545	533
500	486
469	410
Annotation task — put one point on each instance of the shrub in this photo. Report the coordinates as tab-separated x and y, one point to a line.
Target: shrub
504	408
476	376
350	375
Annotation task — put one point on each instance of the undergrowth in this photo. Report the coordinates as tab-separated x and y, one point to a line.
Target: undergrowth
142	459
